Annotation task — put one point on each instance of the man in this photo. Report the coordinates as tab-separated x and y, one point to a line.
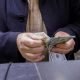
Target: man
61	18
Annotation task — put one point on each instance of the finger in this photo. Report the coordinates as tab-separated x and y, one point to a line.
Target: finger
70	43
36	50
32	43
61	34
35	37
33	56
25	49
62	51
66	45
37	60
62	46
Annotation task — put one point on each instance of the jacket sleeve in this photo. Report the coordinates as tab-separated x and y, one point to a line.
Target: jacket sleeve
8	47
73	28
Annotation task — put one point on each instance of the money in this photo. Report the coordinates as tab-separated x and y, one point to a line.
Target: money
57	40
50	42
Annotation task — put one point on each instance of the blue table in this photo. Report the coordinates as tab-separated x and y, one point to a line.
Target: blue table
66	70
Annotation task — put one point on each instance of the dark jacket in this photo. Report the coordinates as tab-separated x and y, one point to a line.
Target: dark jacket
58	15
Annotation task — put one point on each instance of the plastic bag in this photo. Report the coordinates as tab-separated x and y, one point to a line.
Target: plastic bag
53	57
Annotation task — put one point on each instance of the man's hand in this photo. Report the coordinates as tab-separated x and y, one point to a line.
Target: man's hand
31	46
64	48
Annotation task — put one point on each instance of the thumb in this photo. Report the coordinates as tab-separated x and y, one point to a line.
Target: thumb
46	38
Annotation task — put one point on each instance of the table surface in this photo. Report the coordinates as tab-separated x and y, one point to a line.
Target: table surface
64	70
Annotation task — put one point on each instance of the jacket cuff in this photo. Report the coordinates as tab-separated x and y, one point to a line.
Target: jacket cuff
11	49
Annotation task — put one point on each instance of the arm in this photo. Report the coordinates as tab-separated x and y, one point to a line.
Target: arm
8	48
74	27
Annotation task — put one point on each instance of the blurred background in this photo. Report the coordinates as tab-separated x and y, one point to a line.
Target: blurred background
77	55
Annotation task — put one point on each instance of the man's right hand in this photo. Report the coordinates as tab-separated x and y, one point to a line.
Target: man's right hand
31	46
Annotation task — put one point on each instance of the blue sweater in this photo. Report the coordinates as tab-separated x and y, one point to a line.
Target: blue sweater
58	15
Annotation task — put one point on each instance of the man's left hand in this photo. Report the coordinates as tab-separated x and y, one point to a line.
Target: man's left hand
64	48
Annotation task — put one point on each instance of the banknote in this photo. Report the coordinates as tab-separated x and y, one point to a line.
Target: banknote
57	40
50	42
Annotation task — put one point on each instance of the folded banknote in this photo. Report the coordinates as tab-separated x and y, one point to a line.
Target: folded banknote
50	42
57	40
